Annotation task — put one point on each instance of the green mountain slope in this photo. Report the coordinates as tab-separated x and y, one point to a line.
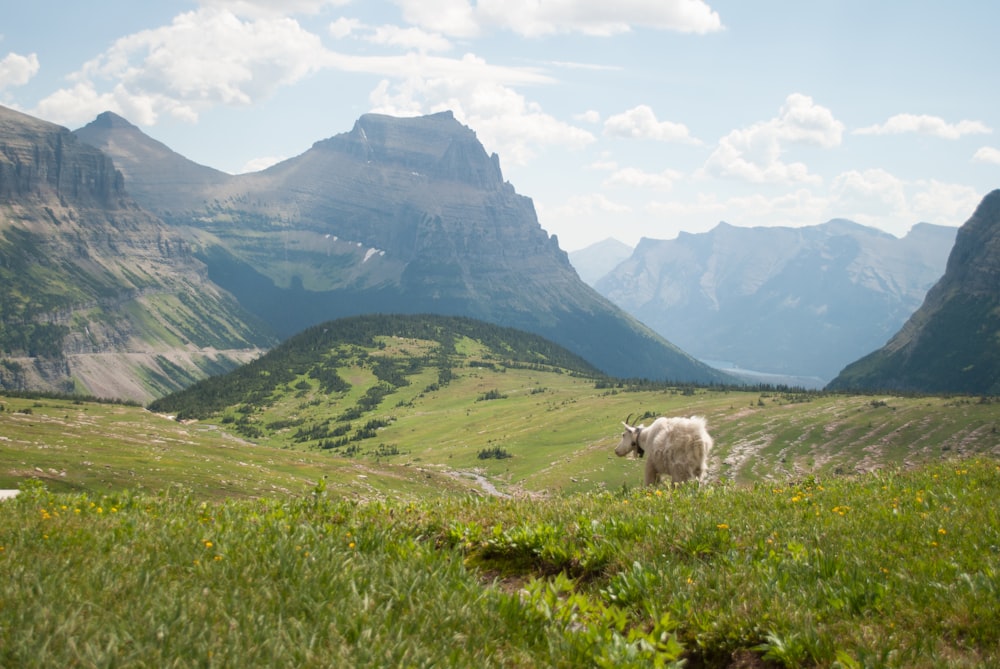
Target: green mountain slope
459	396
951	344
388	352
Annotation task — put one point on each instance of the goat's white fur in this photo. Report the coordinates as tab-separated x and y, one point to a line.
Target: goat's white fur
675	447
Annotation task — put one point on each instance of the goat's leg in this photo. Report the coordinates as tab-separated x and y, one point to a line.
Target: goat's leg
651	474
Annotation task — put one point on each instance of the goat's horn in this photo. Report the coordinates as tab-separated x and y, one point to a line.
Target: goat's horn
628	419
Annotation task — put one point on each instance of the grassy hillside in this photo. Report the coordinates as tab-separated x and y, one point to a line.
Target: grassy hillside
894	569
516	430
370	505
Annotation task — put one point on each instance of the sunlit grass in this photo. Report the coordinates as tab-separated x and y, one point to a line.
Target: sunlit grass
899	568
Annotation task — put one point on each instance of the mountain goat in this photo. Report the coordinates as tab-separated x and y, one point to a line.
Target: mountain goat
678	448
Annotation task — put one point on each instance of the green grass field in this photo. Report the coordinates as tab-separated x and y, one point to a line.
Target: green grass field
558	430
486	523
899	568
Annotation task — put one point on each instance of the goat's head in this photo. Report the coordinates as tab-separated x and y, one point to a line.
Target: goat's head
630	440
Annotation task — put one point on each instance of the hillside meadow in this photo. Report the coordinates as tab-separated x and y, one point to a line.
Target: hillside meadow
544	433
485	522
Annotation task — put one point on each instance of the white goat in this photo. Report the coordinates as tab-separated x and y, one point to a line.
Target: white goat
678	447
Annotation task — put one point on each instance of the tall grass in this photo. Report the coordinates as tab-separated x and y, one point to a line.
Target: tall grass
897	569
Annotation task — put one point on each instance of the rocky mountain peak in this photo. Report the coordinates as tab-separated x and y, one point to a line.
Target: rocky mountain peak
110	120
436	143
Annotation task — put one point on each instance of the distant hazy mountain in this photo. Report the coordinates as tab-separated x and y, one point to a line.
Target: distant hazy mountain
952	343
788	301
399	215
97	295
597	260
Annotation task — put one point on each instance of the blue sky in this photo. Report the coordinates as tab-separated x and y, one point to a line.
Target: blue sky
625	119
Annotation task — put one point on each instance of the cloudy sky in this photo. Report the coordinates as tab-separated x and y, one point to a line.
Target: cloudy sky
624	119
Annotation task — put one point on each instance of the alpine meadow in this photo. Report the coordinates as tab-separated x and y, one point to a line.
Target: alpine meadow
427	491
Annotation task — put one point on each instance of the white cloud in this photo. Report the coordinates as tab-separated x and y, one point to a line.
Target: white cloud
592	67
344	27
636	178
503	119
869	193
753	154
428	68
605	164
447	17
802	120
943	203
531	18
598	17
987	154
641	123
409	38
203	58
925	125
272	7
877	198
589	116
17	70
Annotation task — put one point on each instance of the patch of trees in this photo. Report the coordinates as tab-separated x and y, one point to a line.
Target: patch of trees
367	431
496	453
491	395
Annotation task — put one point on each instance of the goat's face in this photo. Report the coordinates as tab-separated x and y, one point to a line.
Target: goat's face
629	442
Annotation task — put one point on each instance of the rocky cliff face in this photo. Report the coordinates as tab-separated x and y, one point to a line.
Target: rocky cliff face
401	216
88	275
950	344
38	161
792	301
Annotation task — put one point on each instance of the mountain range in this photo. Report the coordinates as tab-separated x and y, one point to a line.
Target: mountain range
115	246
797	303
130	271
